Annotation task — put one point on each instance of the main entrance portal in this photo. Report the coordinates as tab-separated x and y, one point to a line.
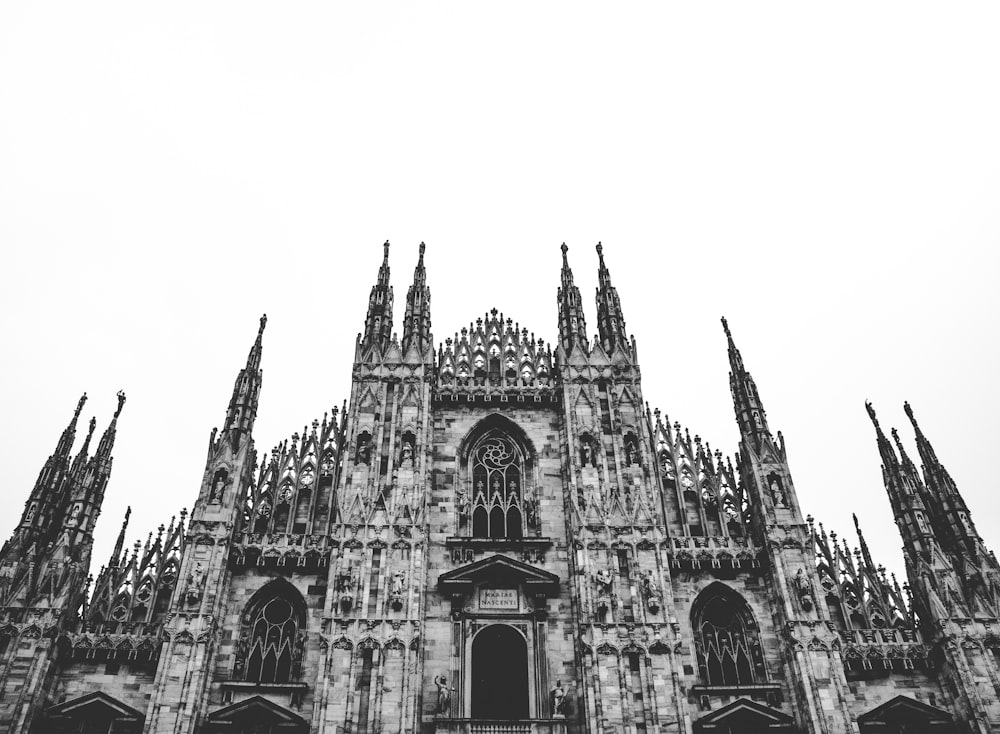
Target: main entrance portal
499	674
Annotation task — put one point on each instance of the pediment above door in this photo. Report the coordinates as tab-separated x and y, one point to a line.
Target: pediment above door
498	571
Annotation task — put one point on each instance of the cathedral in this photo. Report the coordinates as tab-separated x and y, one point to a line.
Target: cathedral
495	535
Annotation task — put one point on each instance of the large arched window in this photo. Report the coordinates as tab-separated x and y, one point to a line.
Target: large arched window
272	635
497	475
726	639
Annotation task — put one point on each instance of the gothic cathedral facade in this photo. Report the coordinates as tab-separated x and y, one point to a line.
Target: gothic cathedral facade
495	536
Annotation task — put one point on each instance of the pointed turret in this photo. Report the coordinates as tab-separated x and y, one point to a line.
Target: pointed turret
417	322
243	404
378	322
572	326
81	458
120	543
46	499
746	400
103	455
954	513
68	436
908	507
863	544
610	319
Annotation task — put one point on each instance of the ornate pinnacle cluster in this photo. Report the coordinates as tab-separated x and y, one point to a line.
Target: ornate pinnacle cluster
572	324
417	321
242	409
750	413
610	319
378	322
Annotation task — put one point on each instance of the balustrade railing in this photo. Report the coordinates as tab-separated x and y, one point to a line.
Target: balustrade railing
500	726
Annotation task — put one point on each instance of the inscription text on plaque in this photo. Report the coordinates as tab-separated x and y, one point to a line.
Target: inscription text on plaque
498	598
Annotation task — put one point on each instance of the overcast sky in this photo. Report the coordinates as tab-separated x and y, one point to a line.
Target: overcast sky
825	175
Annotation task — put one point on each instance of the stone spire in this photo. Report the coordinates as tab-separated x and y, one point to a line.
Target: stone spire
572	325
378	322
417	322
243	404
610	319
908	507
750	413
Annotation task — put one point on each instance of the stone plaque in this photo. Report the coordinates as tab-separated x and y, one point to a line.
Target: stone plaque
498	599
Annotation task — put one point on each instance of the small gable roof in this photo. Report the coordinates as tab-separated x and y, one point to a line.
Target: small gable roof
502	569
743	712
95	705
903	709
259	710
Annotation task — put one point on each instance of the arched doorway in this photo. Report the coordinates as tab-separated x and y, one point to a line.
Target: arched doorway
499	674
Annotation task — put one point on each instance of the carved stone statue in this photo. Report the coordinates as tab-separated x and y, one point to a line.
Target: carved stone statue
443	706
803	590
215	495
364	452
651	589
406	455
556	698
530	506
777	493
192	591
603	578
631	454
396	590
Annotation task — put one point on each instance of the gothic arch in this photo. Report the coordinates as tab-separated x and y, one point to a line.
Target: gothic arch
727	639
501	423
272	632
500	685
496	473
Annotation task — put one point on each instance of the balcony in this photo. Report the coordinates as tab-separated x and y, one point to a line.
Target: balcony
499	726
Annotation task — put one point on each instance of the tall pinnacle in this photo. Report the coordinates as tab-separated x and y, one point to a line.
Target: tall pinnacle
953	512
610	319
417	322
378	322
68	436
572	326
750	413
120	543
243	404
108	439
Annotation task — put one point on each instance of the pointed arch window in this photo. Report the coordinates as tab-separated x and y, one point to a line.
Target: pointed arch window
727	640
497	490
272	636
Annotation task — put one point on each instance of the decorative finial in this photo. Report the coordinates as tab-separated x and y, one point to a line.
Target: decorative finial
263	323
422	248
121	402
79	405
725	327
600	249
871	413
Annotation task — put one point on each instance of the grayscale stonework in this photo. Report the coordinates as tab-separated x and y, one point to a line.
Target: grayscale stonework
495	536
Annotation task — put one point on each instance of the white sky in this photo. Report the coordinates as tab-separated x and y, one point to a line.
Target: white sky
827	176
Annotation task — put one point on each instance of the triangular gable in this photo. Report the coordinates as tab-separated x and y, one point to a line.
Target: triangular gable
744	712
598	357
95	705
393	355
462	580
903	709
258	710
621	356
